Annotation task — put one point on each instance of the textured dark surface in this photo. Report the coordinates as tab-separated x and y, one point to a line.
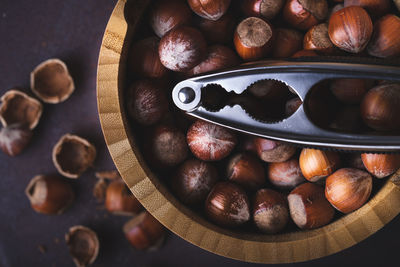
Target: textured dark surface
32	31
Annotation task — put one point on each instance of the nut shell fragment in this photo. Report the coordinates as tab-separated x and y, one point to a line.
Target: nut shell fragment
72	155
18	108
51	81
83	245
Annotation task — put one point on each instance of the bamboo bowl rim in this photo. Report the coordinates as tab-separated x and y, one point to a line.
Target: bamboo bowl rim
155	197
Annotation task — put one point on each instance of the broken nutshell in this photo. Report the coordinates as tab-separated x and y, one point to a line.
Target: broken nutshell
14	138
51	81
18	107
72	155
83	245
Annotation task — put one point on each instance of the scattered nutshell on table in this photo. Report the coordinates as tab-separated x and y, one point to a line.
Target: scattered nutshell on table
18	107
83	245
73	155
51	81
14	138
49	194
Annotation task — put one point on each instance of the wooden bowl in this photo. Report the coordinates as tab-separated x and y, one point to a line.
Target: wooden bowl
155	197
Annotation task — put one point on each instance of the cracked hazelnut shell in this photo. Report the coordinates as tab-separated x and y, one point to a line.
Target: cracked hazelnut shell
72	155
14	138
18	107
51	81
83	245
49	194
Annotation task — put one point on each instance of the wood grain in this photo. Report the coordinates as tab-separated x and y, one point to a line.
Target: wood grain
283	248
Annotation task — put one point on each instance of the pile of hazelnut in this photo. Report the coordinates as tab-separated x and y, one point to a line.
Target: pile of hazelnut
258	184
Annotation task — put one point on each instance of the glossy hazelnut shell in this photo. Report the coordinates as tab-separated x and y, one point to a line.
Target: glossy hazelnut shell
381	165
228	205
385	41
287	42
120	201
317	164
218	31
349	91
303	14
83	245
376	8
348	189
308	206
209	9
285	175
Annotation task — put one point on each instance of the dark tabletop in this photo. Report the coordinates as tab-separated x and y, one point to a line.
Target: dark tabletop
33	31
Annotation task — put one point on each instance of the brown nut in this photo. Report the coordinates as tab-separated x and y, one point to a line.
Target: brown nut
144	232
209	9
228	205
348	119
376	8
83	245
285	175
353	160
246	170
304	53
273	151
99	190
49	194
193	181
317	164
18	107
287	42
303	14
308	206
166	15
182	48
381	165
218	31
262	8
51	81
271	91
253	39
14	138
317	38
270	211
385	41
292	106
146	102
210	142
144	60
348	189
120	201
72	155
349	91
350	29
218	57
380	107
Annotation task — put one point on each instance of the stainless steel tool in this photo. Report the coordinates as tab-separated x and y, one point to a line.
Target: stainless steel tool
300	75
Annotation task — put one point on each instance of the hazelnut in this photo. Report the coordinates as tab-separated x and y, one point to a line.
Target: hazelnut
99	190
49	194
18	108
348	119
303	14
228	205
308	206
317	38
193	181
304	53
144	232
210	142
247	144
385	41
14	138
353	160
273	151
218	57
253	38
317	164
269	90
270	211
146	102
262	8
182	48
144	60
246	170
219	31
380	107
166	15
72	155
350	29
335	9
120	201
209	9
321	105
349	91
83	245
292	106
376	8
381	165
168	146
285	175
287	42
51	81
348	189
